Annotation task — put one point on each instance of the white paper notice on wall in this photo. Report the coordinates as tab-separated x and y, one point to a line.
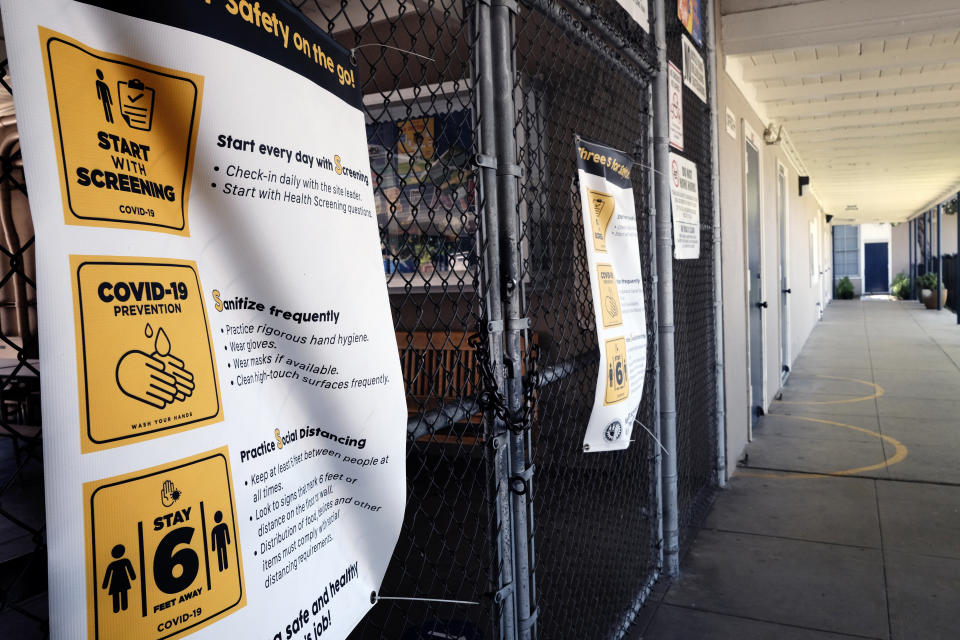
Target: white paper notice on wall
675	92
731	124
224	414
616	282
685	203
694	74
638	10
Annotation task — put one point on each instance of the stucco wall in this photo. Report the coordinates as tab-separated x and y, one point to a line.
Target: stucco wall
807	289
900	248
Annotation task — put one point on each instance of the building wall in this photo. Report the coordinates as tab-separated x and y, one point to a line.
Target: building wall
900	249
948	237
806	281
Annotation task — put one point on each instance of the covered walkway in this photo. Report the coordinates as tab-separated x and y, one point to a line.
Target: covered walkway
843	519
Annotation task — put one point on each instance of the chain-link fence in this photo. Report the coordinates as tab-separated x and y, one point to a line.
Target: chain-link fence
693	297
493	315
23	554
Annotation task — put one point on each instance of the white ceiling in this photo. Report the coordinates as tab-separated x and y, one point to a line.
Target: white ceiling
868	92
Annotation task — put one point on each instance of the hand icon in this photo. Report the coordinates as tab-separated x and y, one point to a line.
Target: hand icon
142	377
183	379
169	494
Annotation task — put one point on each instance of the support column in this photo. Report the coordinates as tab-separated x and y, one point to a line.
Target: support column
939	258
912	234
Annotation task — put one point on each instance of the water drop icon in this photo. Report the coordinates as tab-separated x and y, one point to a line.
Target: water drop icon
162	344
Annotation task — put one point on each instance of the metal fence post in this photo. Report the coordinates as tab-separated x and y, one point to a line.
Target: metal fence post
654	302
487	149
508	173
667	391
717	262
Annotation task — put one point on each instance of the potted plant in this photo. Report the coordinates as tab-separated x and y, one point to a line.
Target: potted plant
931	284
845	289
900	287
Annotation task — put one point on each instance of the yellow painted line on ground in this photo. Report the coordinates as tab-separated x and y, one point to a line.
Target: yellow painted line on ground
877	392
900	452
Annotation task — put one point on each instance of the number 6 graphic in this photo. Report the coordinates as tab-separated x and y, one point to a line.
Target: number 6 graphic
165	559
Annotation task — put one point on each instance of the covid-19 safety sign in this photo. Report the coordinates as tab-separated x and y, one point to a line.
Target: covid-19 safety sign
223	404
616	284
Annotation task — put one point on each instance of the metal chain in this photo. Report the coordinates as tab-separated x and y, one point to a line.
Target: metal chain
490	398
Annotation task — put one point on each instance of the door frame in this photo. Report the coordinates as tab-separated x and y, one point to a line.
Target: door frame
783	224
751	138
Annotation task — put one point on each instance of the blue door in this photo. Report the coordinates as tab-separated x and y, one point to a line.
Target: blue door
875	268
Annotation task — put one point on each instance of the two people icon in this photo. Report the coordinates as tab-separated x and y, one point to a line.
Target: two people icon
118	577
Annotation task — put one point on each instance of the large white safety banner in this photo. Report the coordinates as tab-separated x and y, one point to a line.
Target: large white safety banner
616	282
222	398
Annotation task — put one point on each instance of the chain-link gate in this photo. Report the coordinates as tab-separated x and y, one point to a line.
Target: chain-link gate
511	530
595	515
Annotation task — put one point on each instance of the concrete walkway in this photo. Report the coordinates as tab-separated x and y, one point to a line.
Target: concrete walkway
844	519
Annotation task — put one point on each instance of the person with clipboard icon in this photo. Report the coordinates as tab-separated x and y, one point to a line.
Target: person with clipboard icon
136	104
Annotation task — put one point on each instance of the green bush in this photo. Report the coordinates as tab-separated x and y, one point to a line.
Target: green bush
845	289
927	281
900	287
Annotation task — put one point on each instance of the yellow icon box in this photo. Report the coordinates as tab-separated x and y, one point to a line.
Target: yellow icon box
126	132
609	296
618	385
145	358
162	551
601	206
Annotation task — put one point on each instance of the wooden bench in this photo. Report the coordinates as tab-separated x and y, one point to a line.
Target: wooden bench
438	369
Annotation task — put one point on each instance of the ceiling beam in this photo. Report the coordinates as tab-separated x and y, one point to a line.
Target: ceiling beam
865	85
878	133
938	54
833	21
872	143
878	161
873	119
870	178
785	111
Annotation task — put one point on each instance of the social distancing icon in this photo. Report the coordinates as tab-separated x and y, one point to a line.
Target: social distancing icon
618	385
601	213
127	136
162	551
145	356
